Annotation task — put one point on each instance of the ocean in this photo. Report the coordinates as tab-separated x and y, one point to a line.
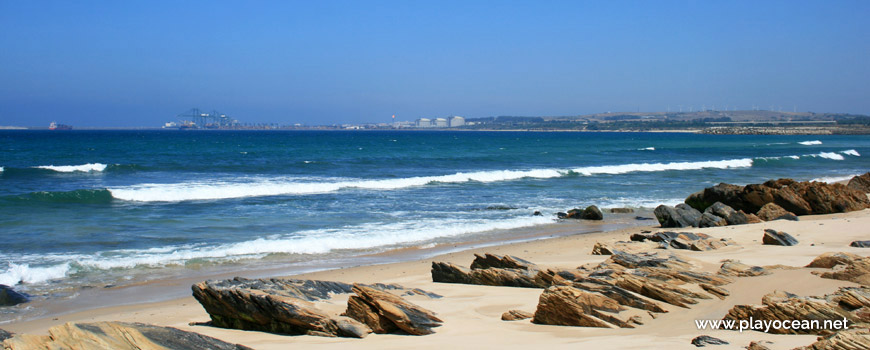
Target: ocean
85	209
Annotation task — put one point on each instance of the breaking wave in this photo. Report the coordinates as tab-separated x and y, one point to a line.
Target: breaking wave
96	196
810	143
258	187
74	168
851	152
833	179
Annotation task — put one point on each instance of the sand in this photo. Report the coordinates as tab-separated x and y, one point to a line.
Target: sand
472	313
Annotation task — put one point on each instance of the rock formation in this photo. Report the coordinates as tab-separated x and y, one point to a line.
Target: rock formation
738	269
516	315
569	306
771	211
773	237
800	198
704	340
680	216
384	312
4	335
860	183
682	240
117	336
860	244
849	339
844	266
9	297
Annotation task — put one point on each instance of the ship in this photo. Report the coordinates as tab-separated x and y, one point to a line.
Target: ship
56	126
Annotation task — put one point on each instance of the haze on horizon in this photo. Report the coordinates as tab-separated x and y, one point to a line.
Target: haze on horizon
322	62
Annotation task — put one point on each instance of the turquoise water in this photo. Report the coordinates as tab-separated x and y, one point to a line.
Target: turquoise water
83	206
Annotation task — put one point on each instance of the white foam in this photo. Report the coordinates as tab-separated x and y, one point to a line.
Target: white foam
793	157
851	152
810	143
829	155
833	179
1	169
650	167
257	187
73	168
23	273
647	149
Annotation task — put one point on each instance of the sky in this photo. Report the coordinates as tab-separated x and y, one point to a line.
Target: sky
141	63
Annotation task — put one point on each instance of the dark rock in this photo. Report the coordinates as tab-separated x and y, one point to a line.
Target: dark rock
9	297
569	306
731	216
500	207
682	240
118	336
771	211
449	273
376	306
800	198
562	215
592	213
860	183
860	244
680	216
621	210
503	262
773	237
516	315
641	218
704	340
710	220
4	335
537	213
275	306
844	266
725	193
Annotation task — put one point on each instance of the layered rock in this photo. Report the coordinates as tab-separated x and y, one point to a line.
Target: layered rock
516	315
739	269
384	312
844	304
117	336
449	273
860	244
844	266
9	297
800	198
771	211
704	340
773	237
849	339
682	240
275	306
569	306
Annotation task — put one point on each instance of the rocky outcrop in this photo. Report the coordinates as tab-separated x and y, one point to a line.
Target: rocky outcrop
860	183
275	306
704	340
516	315
385	312
590	213
731	216
621	210
844	266
4	335
773	237
569	306
771	211
800	198
739	269
718	292
601	249
117	336
449	273
860	244
848	339
846	304
758	345
682	240
9	297
680	216
710	220
501	261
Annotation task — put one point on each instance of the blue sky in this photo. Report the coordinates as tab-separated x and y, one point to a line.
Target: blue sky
139	63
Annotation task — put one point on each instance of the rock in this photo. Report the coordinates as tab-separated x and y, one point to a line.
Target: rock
800	198
659	291
738	269
718	292
844	266
848	339
731	216
860	244
826	198
771	211
772	237
784	306
636	319
537	213
449	273
601	249
569	306
592	213
368	315
758	345
671	217
710	220
860	183
275	306
503	262
622	296
4	335
516	315
9	297
682	240
621	210
117	336
725	193
381	307
648	260
562	215
501	207
704	340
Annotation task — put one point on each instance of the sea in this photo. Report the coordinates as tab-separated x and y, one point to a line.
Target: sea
90	209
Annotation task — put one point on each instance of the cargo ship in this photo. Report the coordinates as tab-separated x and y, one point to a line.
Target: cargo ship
56	126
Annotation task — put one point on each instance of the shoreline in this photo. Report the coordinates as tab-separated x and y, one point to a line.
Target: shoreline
471	312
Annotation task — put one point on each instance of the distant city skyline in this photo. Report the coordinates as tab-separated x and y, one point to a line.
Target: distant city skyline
130	64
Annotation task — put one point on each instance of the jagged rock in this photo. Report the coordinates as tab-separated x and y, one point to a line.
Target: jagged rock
844	266
659	291
758	345
725	193
601	249
9	297
569	306
771	211
117	336
4	335
551	277
860	244
785	306
800	198
718	292
704	340
679	216
503	262
731	216
622	296
826	198
860	183
636	319
648	260
682	240
592	213
847	339
378	307
738	269
275	306
710	220
516	315
621	210
562	215
450	273
537	213
773	237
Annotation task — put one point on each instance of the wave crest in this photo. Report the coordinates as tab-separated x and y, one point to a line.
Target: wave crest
810	143
97	167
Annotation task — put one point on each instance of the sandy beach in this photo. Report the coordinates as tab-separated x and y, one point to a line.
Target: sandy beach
471	313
